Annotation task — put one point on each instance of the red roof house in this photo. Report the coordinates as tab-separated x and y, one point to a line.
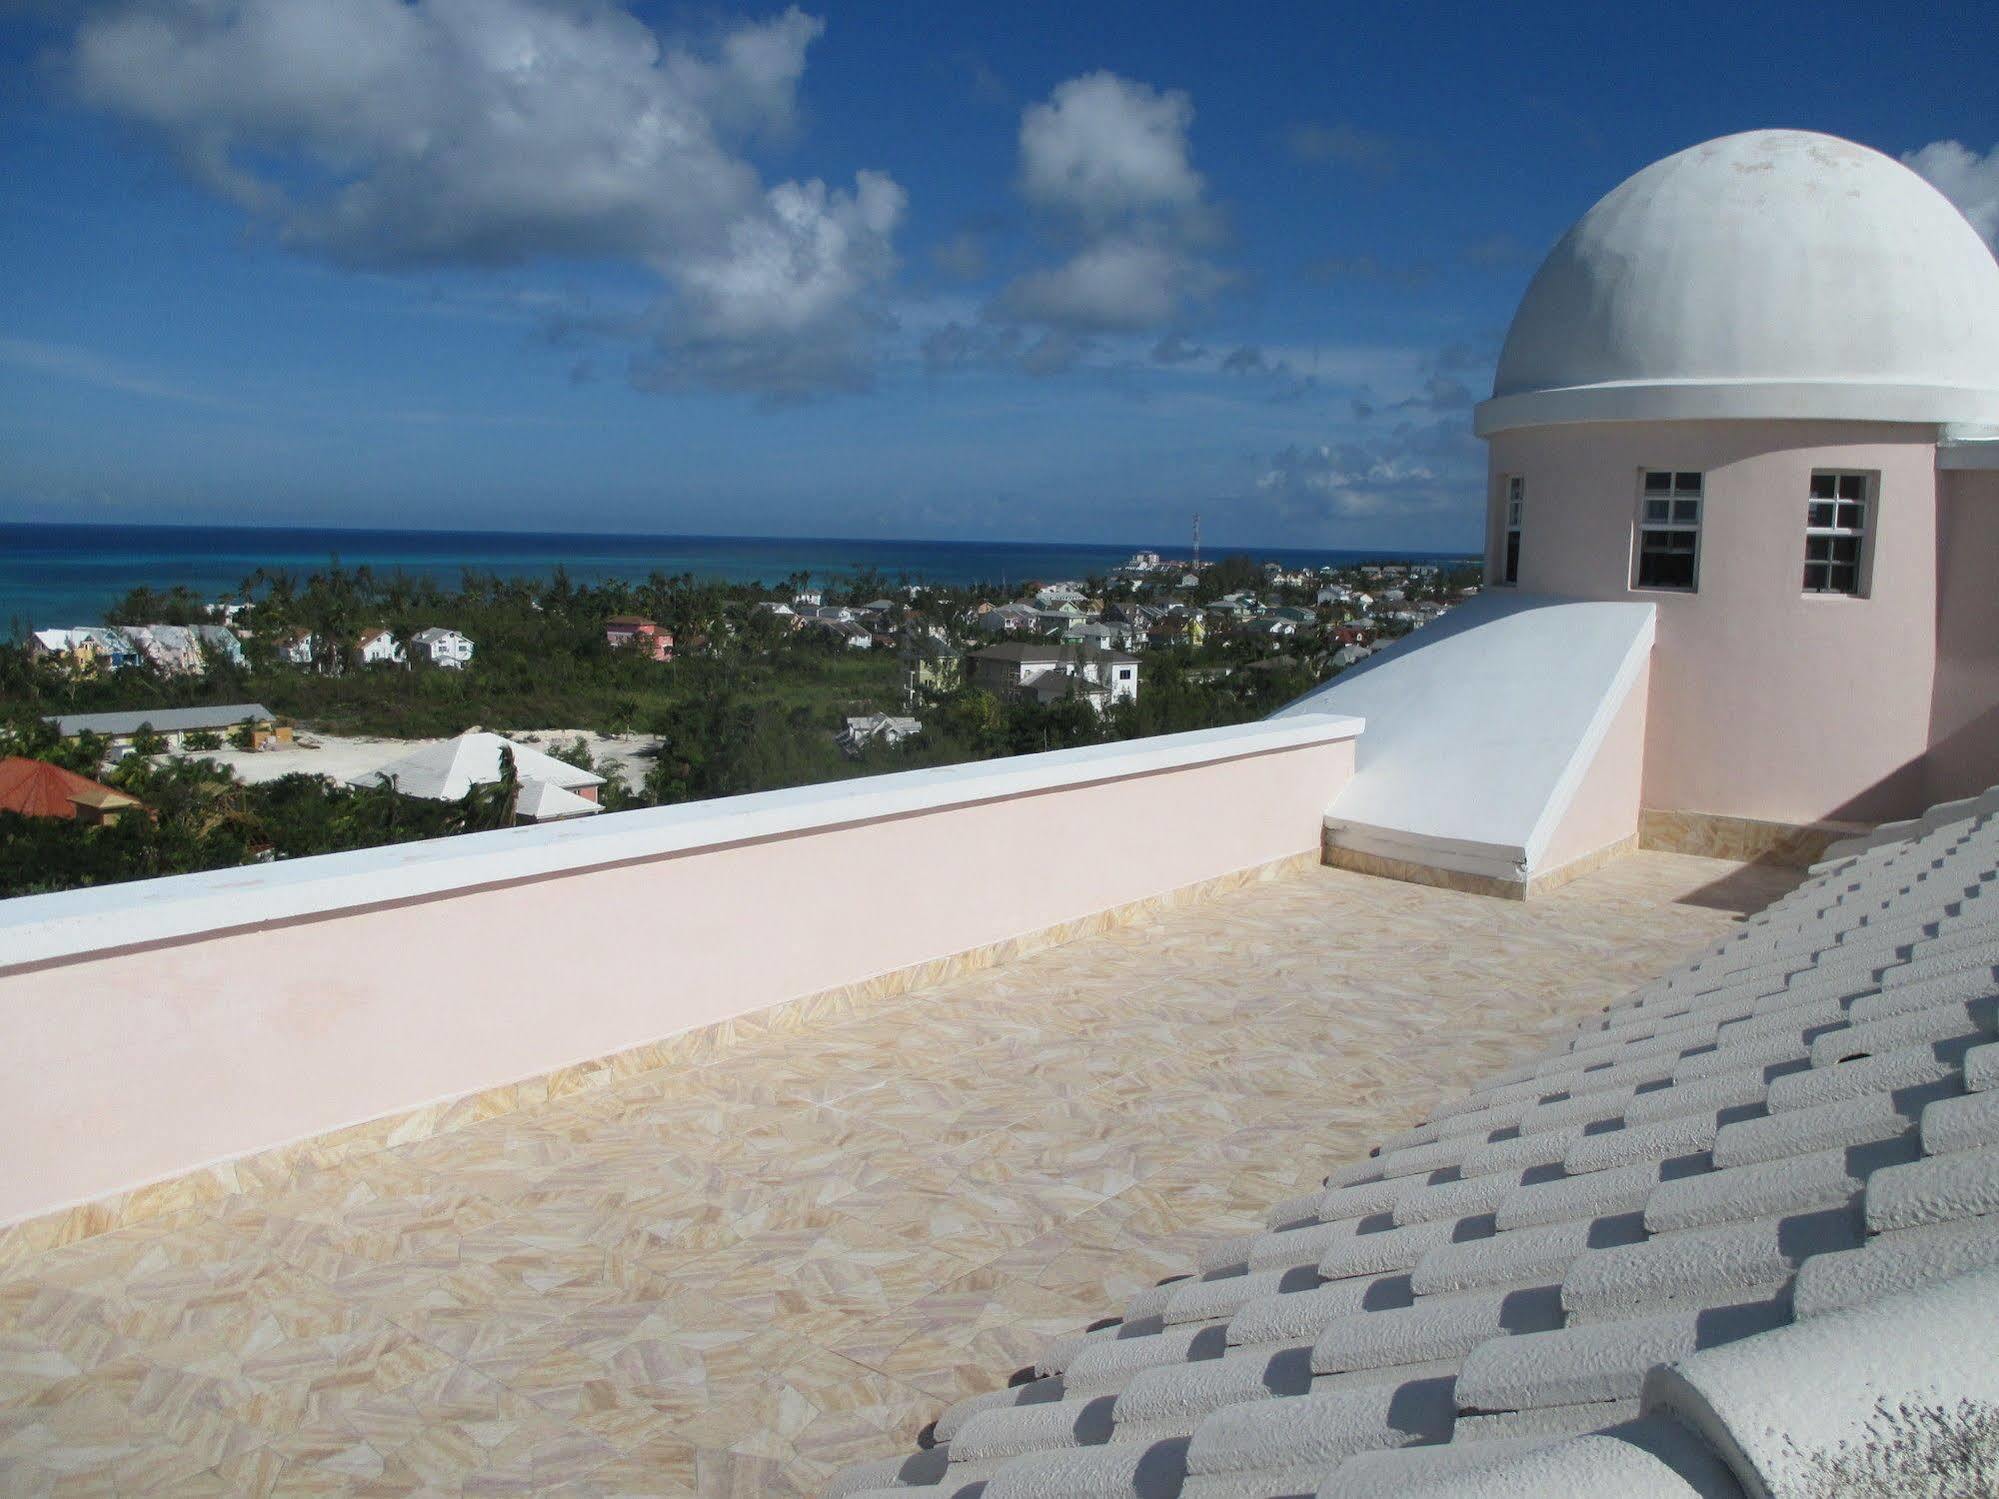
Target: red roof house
36	788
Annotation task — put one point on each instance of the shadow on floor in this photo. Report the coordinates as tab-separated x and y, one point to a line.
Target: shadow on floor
1747	887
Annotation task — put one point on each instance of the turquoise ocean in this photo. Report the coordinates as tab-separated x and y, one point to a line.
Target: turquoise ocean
68	575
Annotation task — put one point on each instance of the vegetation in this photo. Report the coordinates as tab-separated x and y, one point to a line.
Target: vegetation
747	704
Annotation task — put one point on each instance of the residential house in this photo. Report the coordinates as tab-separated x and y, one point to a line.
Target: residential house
810	596
35	788
875	728
634	632
1179	627
295	647
1334	593
175	650
1048	671
380	647
443	647
854	636
1293	614
929	664
1009	619
220	644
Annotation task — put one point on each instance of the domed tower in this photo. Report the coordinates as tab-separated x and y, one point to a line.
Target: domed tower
1757	387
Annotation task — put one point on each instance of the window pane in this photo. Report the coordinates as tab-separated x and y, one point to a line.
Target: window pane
1666	559
1658	510
1818	548
1815	577
1672	572
1846	548
1820	514
1852	486
1845	580
1658	483
1823	486
1687	512
1687	483
1851	516
1513	556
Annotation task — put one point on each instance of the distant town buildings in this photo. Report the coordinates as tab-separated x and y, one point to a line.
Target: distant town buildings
174	650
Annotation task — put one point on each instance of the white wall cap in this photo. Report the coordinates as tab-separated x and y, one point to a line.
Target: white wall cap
76	923
1852	1386
1968	446
1736	400
1482	726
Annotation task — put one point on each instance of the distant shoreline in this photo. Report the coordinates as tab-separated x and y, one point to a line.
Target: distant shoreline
66	574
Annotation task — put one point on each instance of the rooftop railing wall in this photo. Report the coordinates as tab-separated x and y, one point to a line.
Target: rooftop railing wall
166	1041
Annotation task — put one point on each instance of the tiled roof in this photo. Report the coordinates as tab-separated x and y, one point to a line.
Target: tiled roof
36	788
1739	1234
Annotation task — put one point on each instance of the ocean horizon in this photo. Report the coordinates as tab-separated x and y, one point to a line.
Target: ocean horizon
53	575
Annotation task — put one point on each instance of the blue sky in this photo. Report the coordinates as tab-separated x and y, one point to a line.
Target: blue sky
1027	272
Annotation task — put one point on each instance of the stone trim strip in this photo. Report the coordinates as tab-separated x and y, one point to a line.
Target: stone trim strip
1472	884
179	1196
1745	840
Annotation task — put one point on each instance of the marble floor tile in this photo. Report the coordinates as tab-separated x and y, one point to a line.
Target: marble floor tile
734	1276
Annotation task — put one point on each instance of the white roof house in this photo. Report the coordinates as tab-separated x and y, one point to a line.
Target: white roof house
544	801
446	770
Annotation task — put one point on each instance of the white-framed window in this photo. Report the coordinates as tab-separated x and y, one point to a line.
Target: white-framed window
1669	530
1516	508
1836	534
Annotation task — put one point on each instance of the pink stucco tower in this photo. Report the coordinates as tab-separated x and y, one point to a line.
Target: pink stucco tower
1757	386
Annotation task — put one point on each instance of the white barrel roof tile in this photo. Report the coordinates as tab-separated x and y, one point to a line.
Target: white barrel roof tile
1796	1127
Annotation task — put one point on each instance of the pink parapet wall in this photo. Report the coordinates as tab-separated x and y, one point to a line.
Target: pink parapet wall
122	1067
1766	702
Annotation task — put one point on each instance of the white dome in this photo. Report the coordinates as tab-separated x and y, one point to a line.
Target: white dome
1768	275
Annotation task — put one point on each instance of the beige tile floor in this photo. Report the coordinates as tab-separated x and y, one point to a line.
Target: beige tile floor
734	1279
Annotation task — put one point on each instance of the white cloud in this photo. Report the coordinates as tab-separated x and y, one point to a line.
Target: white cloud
491	132
1103	148
1117	286
71	363
1107	162
1969	180
1428	469
1344	480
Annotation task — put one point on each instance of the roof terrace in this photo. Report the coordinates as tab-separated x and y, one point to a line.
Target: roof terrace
737	1266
